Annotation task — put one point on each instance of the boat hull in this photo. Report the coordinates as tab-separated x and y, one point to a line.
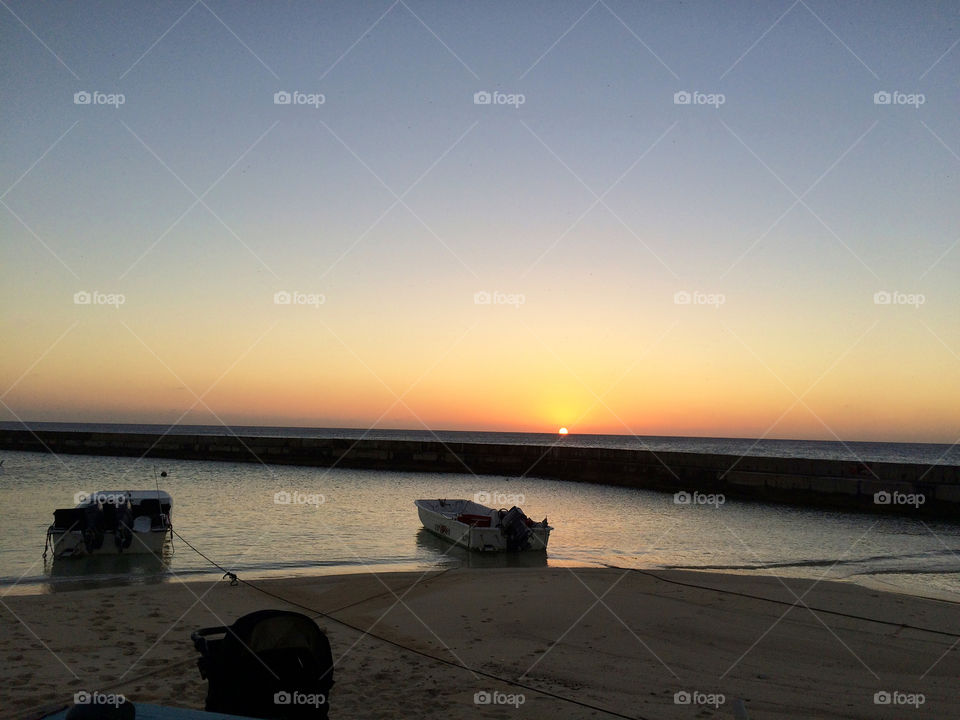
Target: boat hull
138	519
480	539
71	543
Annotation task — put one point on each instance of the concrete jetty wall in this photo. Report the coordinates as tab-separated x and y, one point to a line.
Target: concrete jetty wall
910	489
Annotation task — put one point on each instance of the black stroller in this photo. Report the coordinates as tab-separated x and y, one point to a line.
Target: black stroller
269	664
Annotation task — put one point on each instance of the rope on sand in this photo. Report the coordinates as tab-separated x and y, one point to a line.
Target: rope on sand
234	580
838	613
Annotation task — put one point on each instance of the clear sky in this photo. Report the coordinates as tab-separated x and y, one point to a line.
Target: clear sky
776	257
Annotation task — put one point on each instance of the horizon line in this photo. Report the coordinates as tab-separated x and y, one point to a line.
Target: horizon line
28	423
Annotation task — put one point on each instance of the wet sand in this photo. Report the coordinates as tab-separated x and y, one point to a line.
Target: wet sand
623	641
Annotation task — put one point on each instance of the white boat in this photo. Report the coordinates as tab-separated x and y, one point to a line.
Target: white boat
110	522
477	527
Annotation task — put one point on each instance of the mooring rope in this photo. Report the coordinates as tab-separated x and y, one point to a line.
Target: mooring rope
235	580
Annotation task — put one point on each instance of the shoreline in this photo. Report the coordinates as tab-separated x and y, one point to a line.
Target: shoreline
647	638
909	489
80	583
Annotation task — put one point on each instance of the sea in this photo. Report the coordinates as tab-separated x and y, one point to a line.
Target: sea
359	521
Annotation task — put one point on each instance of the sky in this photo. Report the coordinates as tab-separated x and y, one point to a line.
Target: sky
730	219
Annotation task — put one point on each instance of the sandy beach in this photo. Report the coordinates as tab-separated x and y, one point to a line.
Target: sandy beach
624	641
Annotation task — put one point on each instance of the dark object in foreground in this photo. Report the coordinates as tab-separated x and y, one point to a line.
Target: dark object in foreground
268	664
121	710
144	711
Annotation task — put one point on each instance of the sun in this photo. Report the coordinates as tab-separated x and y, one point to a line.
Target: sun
563	431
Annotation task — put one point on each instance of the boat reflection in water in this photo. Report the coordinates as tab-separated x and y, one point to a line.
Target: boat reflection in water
436	550
94	571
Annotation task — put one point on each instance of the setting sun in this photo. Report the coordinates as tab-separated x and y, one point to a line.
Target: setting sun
563	431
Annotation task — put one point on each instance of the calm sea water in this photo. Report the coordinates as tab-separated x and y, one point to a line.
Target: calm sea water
365	521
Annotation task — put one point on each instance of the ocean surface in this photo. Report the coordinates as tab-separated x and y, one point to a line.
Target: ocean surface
365	521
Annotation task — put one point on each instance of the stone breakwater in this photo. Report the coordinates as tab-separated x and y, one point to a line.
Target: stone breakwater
910	489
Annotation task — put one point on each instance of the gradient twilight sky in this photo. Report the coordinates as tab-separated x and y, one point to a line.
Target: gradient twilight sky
595	202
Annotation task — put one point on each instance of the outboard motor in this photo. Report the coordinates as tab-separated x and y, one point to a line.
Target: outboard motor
93	527
515	530
123	535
